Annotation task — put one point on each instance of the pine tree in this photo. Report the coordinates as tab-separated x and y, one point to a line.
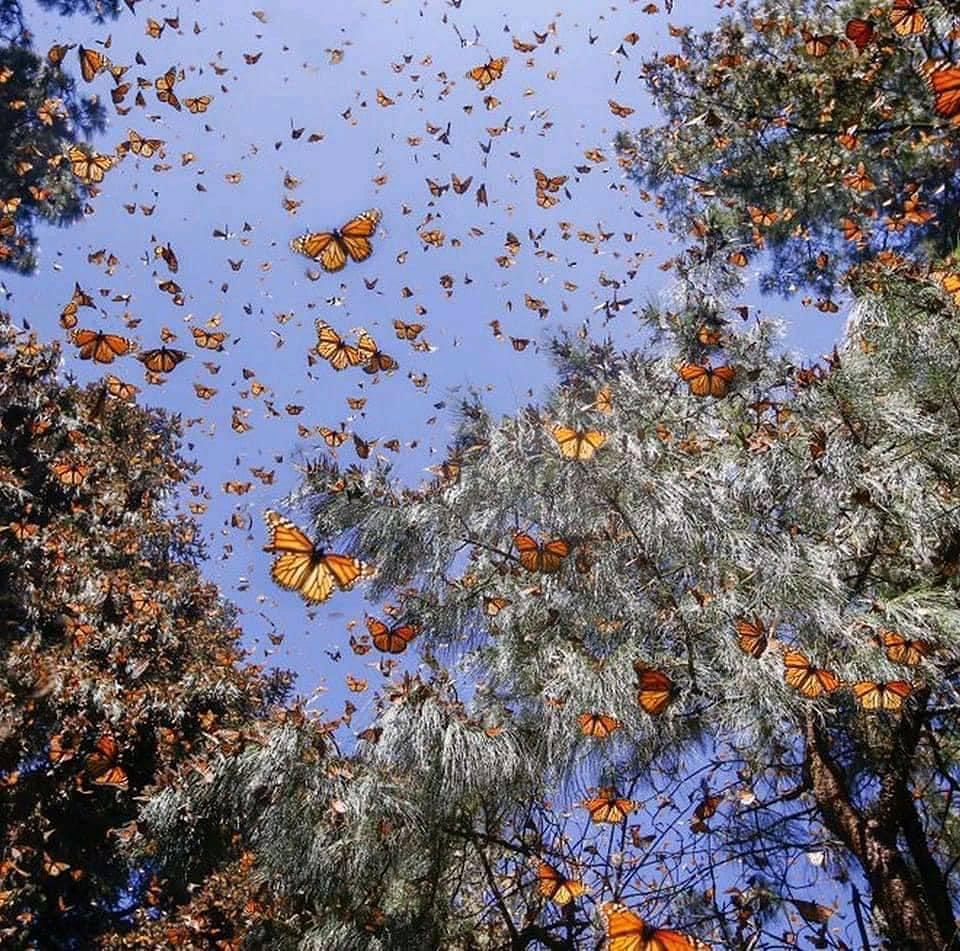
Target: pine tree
809	130
758	586
122	668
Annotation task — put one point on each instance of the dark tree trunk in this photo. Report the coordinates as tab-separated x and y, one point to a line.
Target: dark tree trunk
913	902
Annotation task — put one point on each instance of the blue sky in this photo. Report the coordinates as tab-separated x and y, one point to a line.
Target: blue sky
556	101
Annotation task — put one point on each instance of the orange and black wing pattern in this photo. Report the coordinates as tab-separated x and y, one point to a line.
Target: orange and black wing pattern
331	249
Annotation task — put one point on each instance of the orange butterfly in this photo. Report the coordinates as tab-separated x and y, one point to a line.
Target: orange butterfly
900	650
597	725
197	103
545	556
488	72
92	62
817	45
208	340
303	567
102	764
100	347
882	696
493	606
373	358
546	183
334	349
555	887
607	806
860	32
89	167
751	636
620	110
655	690
332	248
707	380
577	444
907	18
943	78
390	640
119	389
164	88
811	681
627	931
71	473
162	359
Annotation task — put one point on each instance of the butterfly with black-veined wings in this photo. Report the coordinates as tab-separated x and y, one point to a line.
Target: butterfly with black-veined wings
331	249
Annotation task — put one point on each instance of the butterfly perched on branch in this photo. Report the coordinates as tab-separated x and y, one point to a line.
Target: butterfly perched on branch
627	931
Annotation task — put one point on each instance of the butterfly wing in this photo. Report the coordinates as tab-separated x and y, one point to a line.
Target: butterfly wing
655	691
355	234
552	553
529	551
624	928
945	84
696	377
332	347
751	636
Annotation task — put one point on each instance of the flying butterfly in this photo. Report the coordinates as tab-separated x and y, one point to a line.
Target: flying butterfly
488	72
607	806
627	931
882	696
139	145
208	340
89	167
303	567
102	765
332	248
577	444
162	359
556	887
334	349
100	347
374	360
406	331
817	45
196	104
163	85
705	380
545	556
390	639
860	32
92	62
812	682
546	183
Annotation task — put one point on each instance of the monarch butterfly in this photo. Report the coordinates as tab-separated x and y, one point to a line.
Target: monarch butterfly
943	78
334	349
751	636
545	556
607	806
604	400
197	103
488	72
390	640
555	887
169	256
119	389
100	347
906	18
493	606
597	725
576	444
92	62
655	690
89	167
761	218
860	180
900	650
708	335
706	808
436	189
332	248
145	147
407	331
162	359
302	567
882	696
434	237
627	931
334	438
101	765
706	380
373	358
817	45
460	185
811	681
547	184
71	473
860	32
57	52
619	110
737	259
545	199
208	340
164	87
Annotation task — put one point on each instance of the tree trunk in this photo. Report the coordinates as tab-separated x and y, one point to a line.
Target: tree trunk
910	914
